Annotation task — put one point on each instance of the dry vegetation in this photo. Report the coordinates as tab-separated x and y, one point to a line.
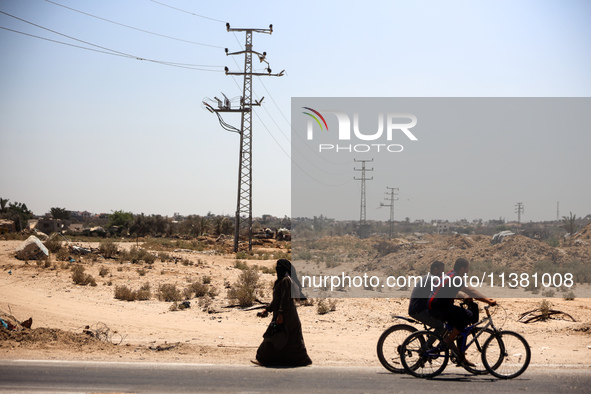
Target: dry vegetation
192	293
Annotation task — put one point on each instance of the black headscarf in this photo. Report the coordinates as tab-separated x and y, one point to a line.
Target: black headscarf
283	268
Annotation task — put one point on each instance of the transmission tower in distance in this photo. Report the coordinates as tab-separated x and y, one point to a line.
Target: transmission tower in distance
519	210
243	222
391	198
363	230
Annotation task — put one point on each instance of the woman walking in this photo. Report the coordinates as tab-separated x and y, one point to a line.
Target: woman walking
283	343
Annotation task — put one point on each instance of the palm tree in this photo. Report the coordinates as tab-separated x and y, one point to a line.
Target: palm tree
3	202
570	223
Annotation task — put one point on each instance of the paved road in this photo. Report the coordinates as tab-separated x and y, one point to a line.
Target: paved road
76	377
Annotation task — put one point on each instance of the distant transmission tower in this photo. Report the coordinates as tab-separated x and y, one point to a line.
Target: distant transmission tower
519	210
392	197
243	222
363	233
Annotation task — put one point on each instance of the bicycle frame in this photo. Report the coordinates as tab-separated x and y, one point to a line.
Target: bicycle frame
464	333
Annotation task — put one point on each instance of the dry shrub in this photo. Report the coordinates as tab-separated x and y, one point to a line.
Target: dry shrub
545	307
104	271
126	294
198	289
168	292
322	307
108	249
137	256
244	289
63	255
326	305
569	296
53	244
144	293
81	278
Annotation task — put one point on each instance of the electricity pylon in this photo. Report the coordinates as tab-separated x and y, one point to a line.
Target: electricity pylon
244	204
391	198
362	217
519	210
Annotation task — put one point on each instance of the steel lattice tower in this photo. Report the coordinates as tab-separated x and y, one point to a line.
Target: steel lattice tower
392	198
243	222
362	215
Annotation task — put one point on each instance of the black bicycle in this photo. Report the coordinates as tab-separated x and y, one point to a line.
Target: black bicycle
391	340
504	354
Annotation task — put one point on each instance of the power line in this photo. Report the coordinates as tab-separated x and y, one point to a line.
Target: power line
131	27
188	12
103	49
180	65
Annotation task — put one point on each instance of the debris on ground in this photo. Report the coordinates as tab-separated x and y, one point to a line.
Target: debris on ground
32	249
8	321
166	346
541	314
103	333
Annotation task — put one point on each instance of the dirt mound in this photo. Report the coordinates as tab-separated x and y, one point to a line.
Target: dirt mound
581	238
521	251
460	242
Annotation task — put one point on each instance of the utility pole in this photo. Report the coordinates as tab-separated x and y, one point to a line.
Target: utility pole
244	201
363	233
391	198
557	210
519	210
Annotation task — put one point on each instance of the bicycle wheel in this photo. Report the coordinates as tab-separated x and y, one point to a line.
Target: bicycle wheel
389	346
511	349
424	355
474	352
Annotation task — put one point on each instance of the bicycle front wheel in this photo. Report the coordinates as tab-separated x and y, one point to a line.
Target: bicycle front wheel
510	352
474	351
389	346
424	355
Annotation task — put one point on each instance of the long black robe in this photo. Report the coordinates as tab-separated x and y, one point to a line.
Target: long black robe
294	353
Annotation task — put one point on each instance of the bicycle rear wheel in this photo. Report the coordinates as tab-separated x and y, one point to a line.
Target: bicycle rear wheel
511	350
389	346
474	352
424	355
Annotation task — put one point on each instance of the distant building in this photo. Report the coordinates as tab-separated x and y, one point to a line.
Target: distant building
49	226
76	227
7	226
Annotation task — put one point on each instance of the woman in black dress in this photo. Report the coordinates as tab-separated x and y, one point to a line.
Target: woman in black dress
284	345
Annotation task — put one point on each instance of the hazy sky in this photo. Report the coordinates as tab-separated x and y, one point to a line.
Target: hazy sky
86	130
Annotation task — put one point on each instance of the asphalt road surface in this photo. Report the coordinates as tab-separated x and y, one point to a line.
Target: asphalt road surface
94	377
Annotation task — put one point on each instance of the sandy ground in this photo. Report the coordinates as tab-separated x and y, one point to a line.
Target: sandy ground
149	331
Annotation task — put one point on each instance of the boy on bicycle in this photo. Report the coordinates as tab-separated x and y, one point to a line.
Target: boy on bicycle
441	303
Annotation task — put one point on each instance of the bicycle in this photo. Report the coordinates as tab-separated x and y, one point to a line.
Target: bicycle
505	354
389	345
